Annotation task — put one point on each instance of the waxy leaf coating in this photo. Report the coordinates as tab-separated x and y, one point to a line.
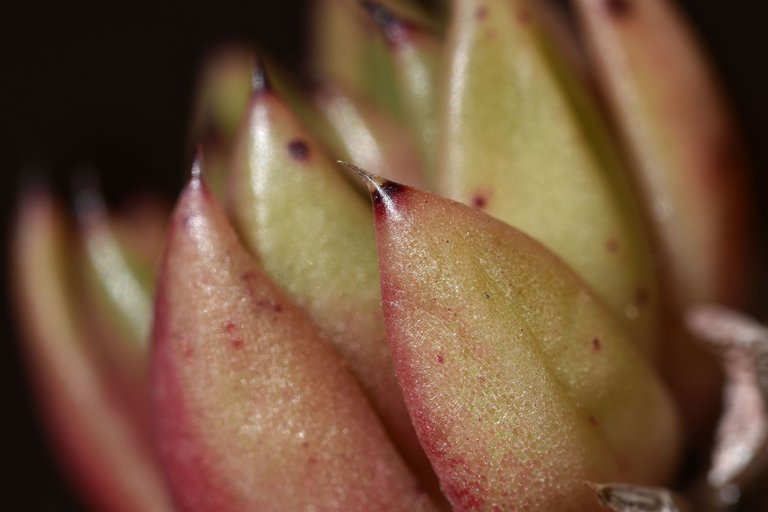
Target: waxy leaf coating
689	166
689	162
416	56
522	140
254	410
354	129
117	260
522	385
310	228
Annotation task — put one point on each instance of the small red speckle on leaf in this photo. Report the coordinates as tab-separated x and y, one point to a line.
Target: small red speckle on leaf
186	349
612	245
465	498
229	327
237	343
480	201
440	358
268	304
481	13
596	346
592	420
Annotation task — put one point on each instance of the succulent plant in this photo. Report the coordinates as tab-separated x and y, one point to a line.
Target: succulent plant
538	308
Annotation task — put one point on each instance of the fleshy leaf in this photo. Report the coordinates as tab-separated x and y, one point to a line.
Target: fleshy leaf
522	385
416	55
347	52
358	131
522	140
117	261
120	281
100	440
690	165
254	410
223	92
224	89
311	230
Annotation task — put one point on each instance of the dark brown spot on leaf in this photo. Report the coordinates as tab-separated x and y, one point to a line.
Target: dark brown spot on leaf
481	13
487	296
299	150
592	420
612	245
596	345
440	358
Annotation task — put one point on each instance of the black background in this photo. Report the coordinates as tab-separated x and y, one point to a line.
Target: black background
112	84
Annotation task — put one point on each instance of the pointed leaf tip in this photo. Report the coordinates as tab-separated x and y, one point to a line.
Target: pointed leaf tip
253	410
391	26
196	172
88	199
259	79
383	191
33	181
370	180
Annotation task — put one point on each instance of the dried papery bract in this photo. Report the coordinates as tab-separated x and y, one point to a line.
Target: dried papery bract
254	410
520	383
628	498
740	456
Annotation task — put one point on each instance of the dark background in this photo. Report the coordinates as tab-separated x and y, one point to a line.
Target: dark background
112	84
